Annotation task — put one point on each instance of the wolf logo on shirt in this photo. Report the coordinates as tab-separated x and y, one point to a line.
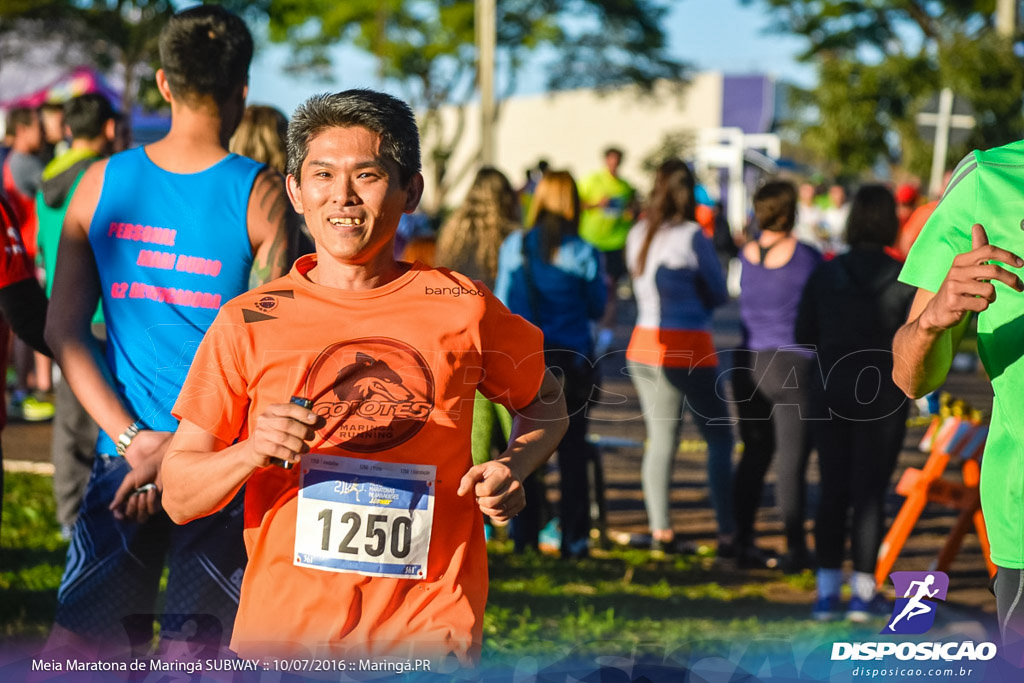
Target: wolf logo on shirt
373	393
367	378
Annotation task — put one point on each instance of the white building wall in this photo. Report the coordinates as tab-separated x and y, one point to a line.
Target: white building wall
571	129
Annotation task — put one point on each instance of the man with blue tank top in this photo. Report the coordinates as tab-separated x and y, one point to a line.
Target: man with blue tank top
164	234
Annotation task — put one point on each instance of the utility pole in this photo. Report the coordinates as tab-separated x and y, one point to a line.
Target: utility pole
1006	17
941	147
486	37
944	121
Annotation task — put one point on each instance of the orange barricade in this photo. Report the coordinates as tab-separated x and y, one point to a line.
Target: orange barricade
952	436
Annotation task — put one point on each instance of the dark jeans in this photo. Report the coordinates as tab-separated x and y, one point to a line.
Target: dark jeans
73	446
772	392
576	374
856	460
72	449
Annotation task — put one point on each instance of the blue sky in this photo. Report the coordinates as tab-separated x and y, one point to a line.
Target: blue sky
720	35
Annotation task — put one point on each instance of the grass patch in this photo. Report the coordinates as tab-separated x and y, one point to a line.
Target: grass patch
32	559
627	601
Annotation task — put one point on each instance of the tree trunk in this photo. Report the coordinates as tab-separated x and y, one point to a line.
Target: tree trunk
128	94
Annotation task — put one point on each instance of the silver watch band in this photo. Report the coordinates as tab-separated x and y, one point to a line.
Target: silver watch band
124	440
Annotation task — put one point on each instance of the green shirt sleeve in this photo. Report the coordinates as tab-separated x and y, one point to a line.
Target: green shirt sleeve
589	189
947	233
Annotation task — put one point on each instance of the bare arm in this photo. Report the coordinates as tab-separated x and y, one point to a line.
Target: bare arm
273	228
202	473
922	356
536	432
923	348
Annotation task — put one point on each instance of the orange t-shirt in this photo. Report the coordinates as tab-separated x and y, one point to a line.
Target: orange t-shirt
706	220
402	569
912	228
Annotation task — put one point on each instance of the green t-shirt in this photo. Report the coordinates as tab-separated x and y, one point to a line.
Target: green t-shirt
606	227
988	188
51	219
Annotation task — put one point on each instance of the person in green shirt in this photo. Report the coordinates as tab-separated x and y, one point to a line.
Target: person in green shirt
92	121
966	261
608	206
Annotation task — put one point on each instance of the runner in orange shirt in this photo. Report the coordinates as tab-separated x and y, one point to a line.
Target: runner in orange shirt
372	544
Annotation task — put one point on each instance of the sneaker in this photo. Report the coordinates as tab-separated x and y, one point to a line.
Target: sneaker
36	410
794	563
826	608
550	537
629	540
860	611
752	557
676	546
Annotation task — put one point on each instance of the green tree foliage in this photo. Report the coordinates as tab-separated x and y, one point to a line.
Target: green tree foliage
101	33
104	33
879	61
426	47
429	49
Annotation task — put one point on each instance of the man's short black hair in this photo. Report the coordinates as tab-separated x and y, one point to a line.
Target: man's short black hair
613	150
87	115
387	116
205	52
20	116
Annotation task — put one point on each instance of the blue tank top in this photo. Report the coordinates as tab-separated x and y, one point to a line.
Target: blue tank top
170	249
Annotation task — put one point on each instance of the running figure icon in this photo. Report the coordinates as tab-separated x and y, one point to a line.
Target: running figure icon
915	606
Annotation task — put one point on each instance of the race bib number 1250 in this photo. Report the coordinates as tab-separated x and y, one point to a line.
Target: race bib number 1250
365	517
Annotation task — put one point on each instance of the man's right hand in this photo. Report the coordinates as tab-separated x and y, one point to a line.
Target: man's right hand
968	286
138	496
281	432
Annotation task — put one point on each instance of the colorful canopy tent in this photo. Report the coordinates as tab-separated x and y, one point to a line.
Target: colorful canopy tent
146	126
79	82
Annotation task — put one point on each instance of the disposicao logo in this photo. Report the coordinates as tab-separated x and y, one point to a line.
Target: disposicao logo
914	613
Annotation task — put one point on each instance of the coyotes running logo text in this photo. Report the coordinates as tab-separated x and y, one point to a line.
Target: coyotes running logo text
373	393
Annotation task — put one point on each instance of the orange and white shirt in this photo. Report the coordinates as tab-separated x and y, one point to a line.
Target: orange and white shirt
364	548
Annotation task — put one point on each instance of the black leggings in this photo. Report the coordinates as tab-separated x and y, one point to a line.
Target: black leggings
772	393
1008	587
856	461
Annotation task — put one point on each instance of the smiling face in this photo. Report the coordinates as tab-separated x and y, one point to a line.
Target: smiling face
352	198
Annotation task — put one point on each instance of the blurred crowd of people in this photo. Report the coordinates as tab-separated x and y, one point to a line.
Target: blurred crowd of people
819	304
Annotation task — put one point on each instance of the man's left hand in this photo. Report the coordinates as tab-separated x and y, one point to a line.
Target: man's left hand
498	490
